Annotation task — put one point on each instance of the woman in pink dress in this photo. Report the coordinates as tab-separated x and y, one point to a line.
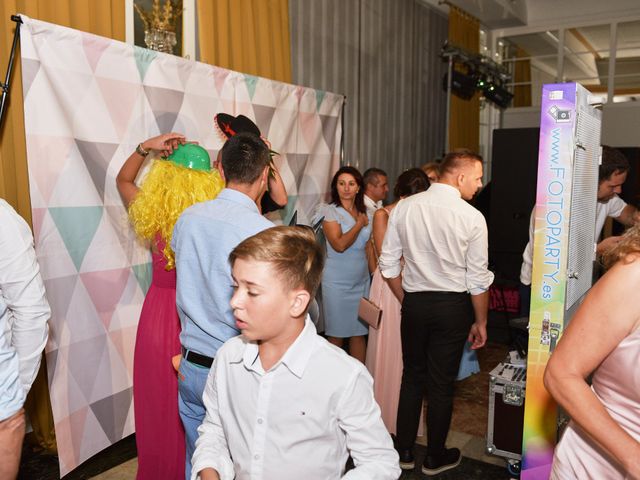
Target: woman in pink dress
384	349
171	186
602	441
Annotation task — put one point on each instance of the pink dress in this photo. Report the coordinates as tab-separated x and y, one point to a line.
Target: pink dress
384	353
616	383
159	431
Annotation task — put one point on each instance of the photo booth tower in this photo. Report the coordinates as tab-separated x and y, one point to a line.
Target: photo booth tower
564	250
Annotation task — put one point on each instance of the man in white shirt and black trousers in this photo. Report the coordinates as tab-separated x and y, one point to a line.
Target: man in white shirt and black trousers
444	294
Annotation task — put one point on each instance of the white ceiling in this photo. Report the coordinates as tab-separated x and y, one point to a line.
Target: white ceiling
534	26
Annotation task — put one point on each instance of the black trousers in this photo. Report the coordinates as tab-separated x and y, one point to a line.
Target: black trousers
434	328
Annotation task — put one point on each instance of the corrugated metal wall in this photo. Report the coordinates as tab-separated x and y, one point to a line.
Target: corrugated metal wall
384	56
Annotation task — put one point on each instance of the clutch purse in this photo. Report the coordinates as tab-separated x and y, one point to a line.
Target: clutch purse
369	312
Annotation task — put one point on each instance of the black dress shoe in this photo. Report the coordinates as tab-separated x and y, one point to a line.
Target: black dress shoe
435	464
407	462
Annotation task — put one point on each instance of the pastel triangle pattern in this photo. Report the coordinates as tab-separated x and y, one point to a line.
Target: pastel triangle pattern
144	57
69	430
97	157
287	212
127	94
50	154
94	46
88	101
264	116
112	413
319	98
77	225
329	127
165	104
84	359
251	82
30	69
105	289
143	275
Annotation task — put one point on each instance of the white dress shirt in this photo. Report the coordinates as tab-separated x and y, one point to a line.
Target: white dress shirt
443	240
612	208
24	311
371	207
298	420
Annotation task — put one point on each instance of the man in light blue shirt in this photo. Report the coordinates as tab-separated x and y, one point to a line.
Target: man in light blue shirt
24	313
203	238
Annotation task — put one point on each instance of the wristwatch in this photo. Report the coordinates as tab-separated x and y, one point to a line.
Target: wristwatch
141	151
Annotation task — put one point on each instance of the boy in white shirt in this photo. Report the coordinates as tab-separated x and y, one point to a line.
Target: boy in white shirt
281	401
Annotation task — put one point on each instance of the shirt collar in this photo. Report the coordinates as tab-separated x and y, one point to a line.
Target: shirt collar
445	189
238	197
371	202
295	358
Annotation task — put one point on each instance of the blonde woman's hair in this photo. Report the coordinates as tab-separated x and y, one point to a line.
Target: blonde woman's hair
167	190
629	244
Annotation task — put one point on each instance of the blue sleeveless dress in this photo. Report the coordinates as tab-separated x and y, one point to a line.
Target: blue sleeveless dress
345	279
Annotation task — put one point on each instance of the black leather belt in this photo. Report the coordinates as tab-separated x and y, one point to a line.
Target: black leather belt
196	358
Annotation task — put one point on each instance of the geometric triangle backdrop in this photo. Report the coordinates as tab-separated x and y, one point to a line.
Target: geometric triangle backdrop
88	102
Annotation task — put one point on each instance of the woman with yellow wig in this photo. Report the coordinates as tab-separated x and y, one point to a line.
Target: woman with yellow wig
172	185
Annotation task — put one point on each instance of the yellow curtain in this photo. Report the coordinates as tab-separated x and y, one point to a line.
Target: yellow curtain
249	36
522	74
464	119
104	17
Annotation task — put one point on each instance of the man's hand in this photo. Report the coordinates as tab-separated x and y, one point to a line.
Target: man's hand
607	244
477	335
209	474
395	284
362	219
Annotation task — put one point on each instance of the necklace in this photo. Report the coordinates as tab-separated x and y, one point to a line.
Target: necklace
351	211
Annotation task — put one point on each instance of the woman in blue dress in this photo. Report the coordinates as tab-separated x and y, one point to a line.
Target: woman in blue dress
345	279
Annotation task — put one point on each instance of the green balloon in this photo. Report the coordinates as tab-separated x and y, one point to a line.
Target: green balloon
191	156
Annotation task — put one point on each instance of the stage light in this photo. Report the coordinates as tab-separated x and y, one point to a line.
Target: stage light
463	85
497	94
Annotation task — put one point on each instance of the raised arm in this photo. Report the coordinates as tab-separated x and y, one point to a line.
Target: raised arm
277	190
340	241
629	216
165	144
609	313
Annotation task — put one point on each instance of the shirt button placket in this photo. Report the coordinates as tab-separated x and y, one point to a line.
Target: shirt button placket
260	426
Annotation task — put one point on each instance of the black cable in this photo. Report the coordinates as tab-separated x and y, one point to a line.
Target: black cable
5	85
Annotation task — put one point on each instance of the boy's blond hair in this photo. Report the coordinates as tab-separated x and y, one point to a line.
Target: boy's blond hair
293	252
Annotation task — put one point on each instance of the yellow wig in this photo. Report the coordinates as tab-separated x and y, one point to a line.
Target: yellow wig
167	191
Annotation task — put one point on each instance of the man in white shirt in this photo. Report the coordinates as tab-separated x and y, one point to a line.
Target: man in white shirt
24	312
444	294
376	187
611	176
282	402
